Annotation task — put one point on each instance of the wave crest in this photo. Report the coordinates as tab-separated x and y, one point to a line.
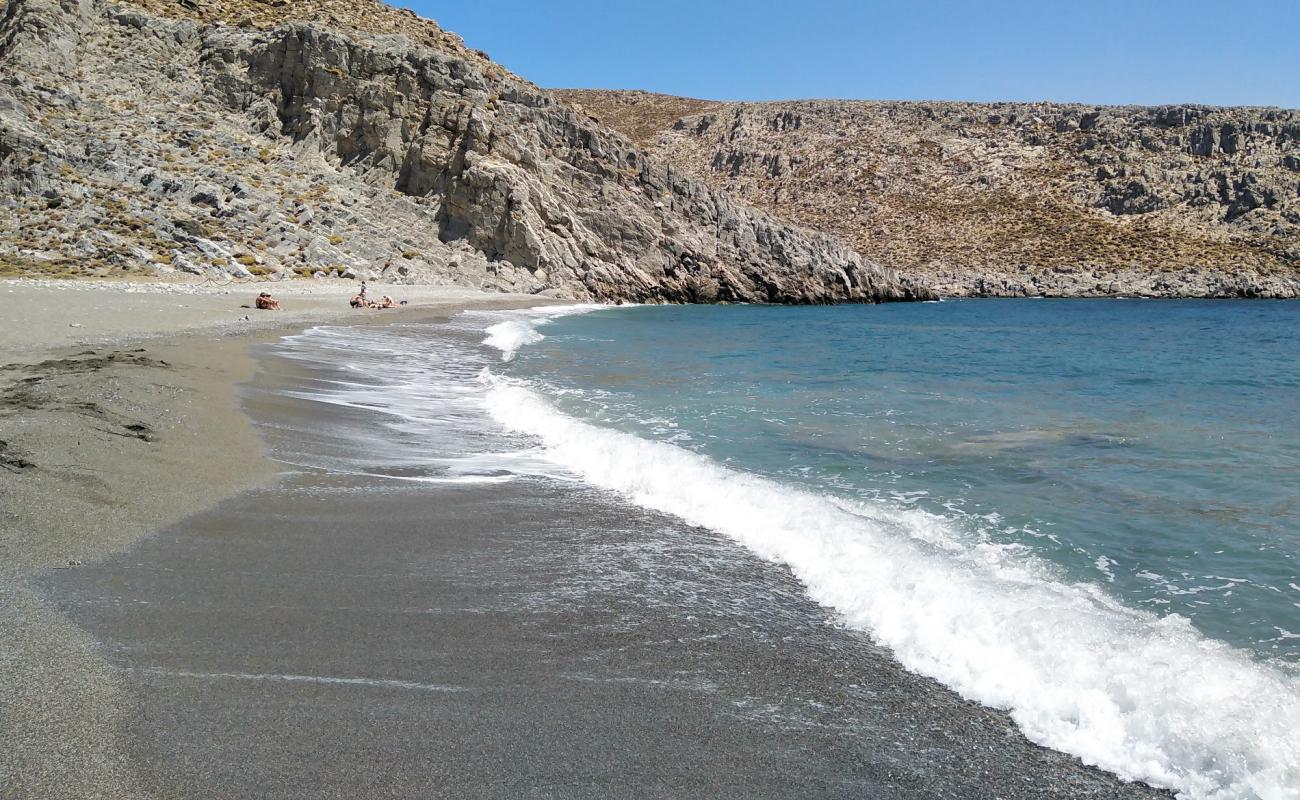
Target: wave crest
1146	697
512	334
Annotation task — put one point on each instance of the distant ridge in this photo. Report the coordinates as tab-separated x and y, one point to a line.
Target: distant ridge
1007	198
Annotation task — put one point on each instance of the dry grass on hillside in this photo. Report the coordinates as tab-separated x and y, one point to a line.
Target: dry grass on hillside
955	193
640	116
370	16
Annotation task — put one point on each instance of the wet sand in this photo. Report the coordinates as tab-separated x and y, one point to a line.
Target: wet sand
118	416
335	635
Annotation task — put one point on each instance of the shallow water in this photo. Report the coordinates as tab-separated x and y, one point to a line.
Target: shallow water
1084	512
431	607
1150	447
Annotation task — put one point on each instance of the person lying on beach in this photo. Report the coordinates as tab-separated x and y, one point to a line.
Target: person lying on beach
358	301
266	302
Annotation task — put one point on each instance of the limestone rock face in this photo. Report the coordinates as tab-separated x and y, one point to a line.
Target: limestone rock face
1008	198
45	34
135	141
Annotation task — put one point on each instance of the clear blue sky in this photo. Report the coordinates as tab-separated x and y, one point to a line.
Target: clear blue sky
1232	52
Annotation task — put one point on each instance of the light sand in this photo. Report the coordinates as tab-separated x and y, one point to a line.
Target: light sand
121	398
342	634
392	641
40	317
119	415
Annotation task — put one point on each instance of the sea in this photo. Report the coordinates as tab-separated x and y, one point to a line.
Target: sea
1083	512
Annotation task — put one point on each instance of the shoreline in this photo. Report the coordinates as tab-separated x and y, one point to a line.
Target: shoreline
526	638
125	371
120	415
199	591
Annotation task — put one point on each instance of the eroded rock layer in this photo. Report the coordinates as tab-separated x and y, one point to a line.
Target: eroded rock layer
364	141
1007	198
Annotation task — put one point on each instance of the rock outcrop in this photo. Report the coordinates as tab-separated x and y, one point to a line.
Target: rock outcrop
1007	198
364	141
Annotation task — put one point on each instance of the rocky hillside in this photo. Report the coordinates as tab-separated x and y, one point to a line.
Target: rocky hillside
308	137
1007	198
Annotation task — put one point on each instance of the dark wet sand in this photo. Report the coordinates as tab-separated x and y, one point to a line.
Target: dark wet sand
102	445
346	636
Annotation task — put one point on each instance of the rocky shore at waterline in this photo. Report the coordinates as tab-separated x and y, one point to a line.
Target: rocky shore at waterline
1007	199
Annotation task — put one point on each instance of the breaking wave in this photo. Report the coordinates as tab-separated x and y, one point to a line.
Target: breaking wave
1146	697
512	334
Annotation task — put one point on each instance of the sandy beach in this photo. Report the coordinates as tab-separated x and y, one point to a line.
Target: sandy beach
191	618
119	415
863	403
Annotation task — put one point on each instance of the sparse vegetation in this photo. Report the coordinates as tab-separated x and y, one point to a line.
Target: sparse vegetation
365	15
16	267
955	193
912	185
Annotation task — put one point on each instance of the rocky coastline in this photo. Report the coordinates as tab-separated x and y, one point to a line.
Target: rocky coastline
242	139
1007	199
148	141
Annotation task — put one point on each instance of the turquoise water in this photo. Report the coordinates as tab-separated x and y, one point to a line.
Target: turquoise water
1082	512
1149	448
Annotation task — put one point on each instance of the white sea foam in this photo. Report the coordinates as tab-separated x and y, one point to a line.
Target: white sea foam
511	335
1104	565
1146	697
521	328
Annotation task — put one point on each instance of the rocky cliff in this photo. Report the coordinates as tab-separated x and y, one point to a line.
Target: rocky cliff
1007	198
283	138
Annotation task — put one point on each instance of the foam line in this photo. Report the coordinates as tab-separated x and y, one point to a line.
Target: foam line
1145	697
366	683
521	330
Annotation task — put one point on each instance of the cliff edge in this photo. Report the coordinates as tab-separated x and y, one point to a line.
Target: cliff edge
241	138
1007	198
